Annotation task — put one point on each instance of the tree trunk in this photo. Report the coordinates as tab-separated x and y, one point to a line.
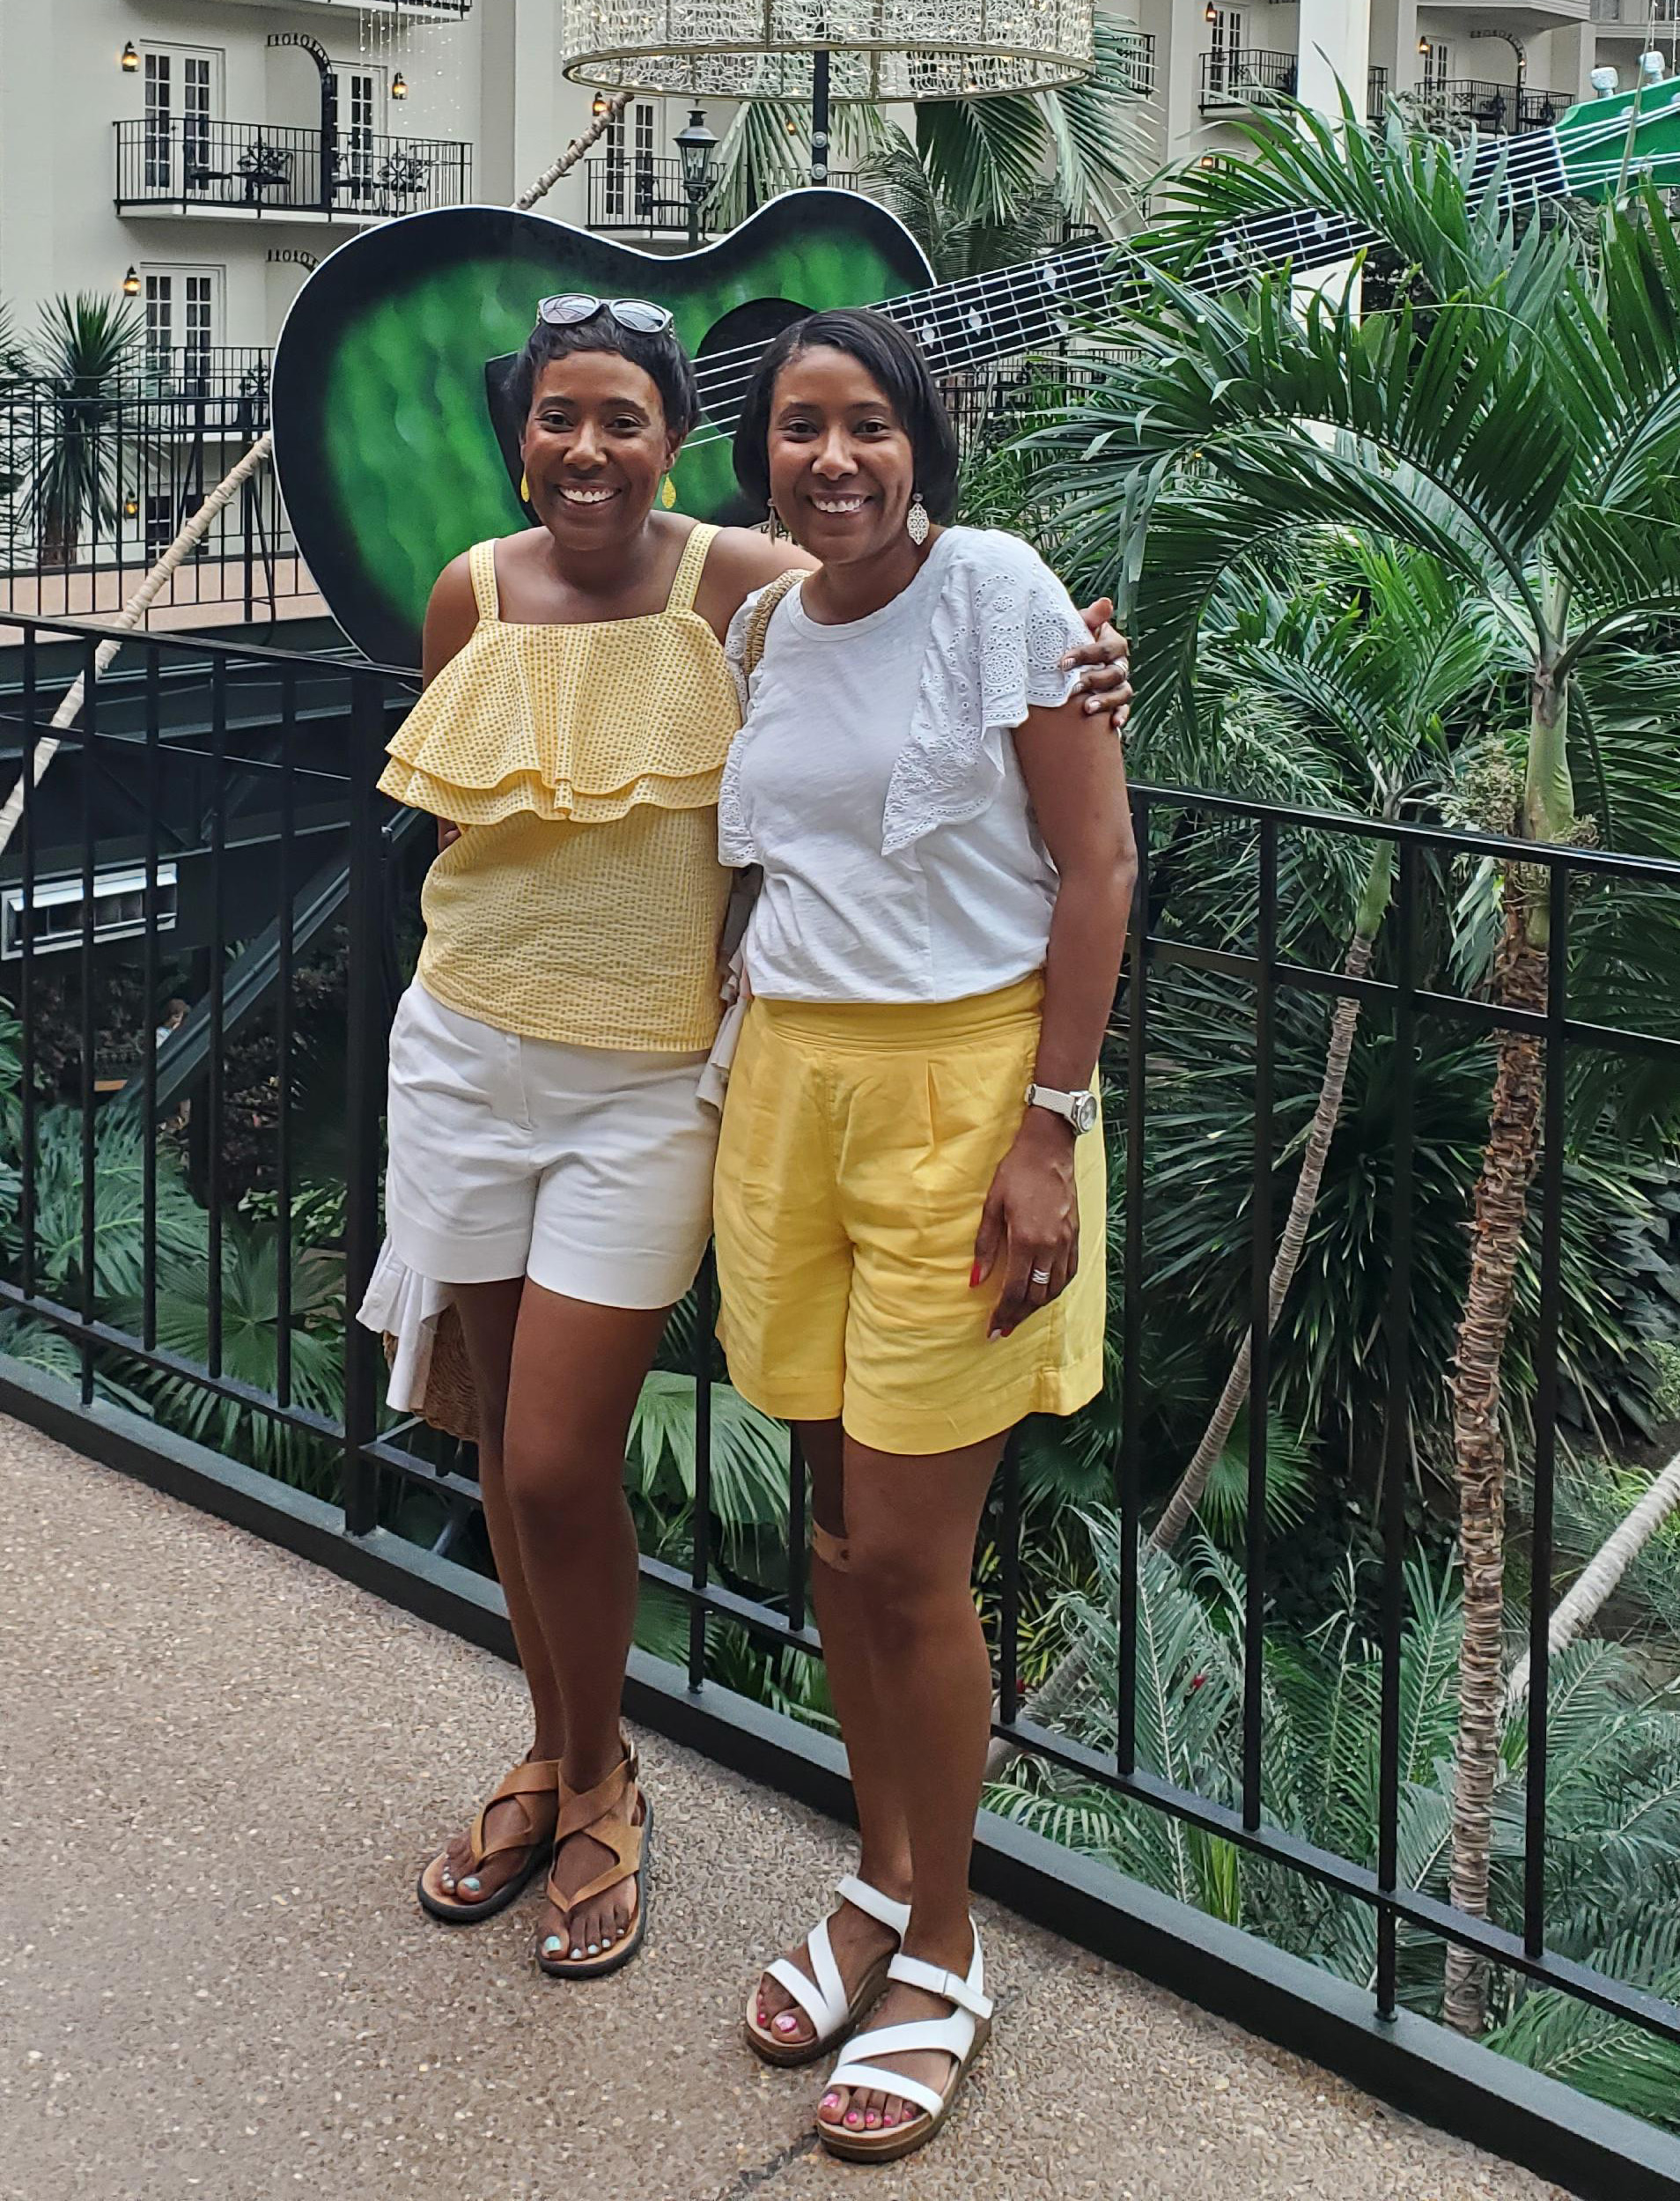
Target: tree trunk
1599	1578
1052	1700
1291	1246
1501	1206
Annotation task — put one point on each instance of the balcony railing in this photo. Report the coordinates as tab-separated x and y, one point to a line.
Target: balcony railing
1248	76
410	11
236	787
645	197
1497	109
193	165
1137	51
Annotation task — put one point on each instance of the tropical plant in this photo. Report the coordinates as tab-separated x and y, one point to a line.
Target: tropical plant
78	355
982	158
1613	1791
1524	432
958	241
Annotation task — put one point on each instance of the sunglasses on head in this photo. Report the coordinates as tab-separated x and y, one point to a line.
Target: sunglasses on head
573	308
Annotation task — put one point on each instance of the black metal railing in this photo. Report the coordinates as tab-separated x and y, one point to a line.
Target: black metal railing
1138	58
1248	76
197	164
212	823
642	194
96	482
1496	109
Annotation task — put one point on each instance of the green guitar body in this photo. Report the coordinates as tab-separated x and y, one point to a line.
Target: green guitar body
390	452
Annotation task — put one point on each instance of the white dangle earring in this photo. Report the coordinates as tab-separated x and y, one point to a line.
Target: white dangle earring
916	522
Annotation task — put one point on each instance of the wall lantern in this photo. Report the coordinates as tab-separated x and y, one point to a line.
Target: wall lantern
398	86
131	58
131	284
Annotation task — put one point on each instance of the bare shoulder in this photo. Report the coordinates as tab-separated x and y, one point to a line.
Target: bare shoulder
740	560
451	613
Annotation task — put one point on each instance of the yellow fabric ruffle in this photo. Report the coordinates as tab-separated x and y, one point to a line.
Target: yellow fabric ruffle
582	723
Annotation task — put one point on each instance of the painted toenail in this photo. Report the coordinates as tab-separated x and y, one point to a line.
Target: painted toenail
473	1885
831	2101
874	2117
552	1946
785	2023
852	2118
594	1948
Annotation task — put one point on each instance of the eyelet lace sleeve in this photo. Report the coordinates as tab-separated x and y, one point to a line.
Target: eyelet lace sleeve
1002	623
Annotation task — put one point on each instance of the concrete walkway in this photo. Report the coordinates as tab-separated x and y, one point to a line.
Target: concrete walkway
221	1770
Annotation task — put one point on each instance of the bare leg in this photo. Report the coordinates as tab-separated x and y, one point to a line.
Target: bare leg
910	1527
489	1314
576	1371
858	1940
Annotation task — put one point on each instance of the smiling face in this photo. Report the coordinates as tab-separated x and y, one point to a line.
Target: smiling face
841	466
595	446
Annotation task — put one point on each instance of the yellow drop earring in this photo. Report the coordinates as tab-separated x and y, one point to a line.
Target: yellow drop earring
524	488
667	493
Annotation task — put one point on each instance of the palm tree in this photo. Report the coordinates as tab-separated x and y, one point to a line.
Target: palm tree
1088	144
79	352
1523	430
1613	1793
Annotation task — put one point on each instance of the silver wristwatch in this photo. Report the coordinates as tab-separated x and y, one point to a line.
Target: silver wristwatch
1080	1109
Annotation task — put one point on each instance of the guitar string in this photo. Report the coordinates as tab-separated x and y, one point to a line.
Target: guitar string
1538	153
1043	283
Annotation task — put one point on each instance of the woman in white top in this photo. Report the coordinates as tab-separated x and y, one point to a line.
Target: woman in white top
910	1189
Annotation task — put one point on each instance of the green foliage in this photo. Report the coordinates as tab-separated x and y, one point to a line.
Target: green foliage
1613	1854
79	352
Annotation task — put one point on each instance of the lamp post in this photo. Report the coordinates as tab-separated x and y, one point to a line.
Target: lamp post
696	144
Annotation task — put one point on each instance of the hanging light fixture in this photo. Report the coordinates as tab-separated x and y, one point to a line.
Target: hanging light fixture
1424	47
598	105
131	58
131	284
398	86
130	506
1210	13
764	49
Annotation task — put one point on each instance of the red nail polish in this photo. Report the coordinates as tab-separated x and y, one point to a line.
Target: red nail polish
974	1276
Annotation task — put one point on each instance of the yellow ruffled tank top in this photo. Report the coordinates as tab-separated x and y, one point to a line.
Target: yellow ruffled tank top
584	900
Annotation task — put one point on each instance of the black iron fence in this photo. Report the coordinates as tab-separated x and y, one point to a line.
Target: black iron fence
1248	76
197	164
206	891
642	195
97	480
1495	109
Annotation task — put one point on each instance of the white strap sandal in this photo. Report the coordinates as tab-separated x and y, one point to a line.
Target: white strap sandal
823	1997
961	2036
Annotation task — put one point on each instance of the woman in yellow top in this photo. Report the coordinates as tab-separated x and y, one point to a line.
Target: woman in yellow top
550	1159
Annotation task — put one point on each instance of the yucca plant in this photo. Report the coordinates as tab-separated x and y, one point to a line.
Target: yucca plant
79	354
1524	430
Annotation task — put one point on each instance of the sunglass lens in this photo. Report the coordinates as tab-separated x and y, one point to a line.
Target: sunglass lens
640	313
569	308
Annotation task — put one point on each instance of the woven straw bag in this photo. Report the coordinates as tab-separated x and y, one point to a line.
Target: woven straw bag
452	1398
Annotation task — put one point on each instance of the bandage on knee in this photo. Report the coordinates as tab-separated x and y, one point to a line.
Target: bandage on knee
833	1551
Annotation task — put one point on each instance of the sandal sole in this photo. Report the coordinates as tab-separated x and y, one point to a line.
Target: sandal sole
858	2148
470	1913
602	1966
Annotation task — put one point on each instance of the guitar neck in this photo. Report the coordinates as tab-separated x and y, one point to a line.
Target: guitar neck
1040	303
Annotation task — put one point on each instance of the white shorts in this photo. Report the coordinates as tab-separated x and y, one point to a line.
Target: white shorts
587	1168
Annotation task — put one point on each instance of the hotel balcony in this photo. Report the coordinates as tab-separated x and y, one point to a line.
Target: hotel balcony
404	10
234	170
1252	76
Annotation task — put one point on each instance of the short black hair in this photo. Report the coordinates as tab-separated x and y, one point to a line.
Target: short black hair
660	358
896	362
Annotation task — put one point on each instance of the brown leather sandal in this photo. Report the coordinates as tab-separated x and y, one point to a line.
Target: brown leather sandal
531	1783
606	1814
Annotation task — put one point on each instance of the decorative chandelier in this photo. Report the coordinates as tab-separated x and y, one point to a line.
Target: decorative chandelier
880	51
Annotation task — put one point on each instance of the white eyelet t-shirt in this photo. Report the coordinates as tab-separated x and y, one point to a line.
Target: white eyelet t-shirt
875	781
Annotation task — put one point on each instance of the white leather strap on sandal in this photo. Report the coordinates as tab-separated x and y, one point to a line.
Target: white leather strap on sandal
952	2037
824	1998
873	1904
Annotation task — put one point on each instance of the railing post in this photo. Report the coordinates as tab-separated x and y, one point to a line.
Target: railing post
364	1077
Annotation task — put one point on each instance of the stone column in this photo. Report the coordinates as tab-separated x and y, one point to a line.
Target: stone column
1335	43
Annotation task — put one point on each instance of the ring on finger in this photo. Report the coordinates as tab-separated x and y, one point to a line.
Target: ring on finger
1039	1276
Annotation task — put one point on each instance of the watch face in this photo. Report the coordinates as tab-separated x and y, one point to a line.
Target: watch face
1085	1112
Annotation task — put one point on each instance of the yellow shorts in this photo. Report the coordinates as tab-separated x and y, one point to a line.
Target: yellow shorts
859	1145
